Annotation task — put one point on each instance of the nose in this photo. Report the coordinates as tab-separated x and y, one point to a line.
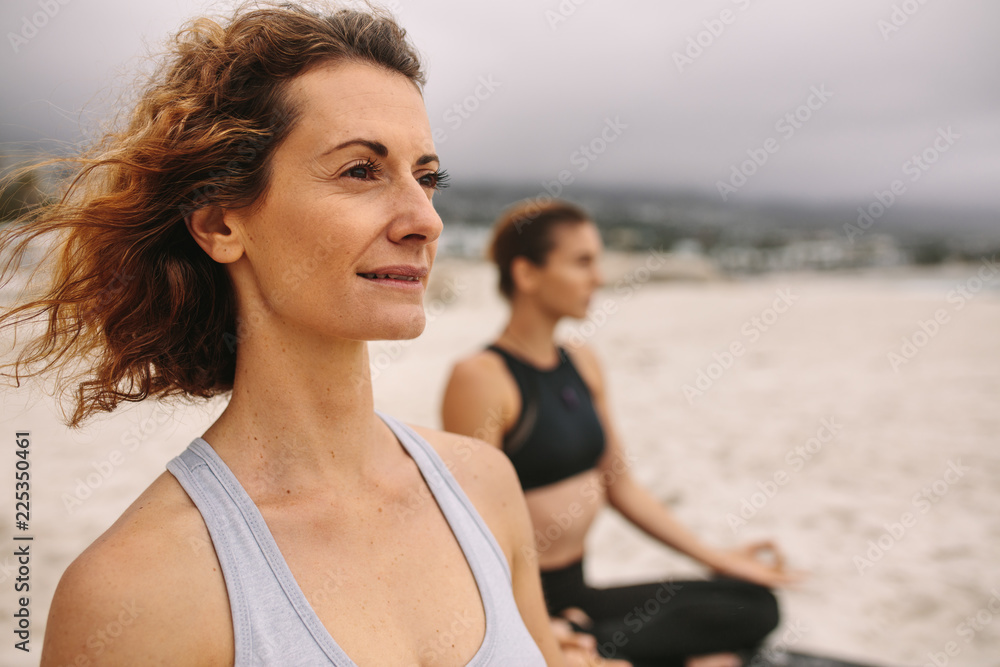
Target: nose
415	220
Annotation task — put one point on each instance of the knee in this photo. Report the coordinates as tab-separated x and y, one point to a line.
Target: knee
761	610
768	606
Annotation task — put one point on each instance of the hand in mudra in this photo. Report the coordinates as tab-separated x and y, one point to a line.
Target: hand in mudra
758	562
579	649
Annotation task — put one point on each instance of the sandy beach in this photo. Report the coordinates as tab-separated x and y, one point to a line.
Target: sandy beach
852	417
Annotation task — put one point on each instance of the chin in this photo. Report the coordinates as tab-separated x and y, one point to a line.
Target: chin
400	328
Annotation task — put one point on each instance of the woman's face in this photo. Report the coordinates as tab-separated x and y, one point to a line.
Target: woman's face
572	270
348	201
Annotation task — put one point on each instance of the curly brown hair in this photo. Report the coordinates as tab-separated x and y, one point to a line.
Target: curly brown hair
133	307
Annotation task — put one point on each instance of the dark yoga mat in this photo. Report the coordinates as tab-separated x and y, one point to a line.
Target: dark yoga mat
793	659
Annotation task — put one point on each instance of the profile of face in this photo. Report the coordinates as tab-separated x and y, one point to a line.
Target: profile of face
565	283
348	202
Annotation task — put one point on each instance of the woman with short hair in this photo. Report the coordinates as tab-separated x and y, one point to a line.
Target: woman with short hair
545	405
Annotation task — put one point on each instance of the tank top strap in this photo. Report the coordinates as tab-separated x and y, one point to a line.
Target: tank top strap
273	622
454	503
515	361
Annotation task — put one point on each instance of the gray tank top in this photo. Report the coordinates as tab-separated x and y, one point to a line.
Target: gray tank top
273	623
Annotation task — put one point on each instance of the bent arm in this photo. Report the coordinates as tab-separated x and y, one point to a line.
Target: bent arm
640	507
634	502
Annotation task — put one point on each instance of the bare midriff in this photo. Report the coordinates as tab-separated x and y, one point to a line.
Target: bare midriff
561	515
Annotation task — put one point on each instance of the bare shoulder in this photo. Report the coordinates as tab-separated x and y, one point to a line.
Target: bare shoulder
484	366
486	476
148	591
481	398
473	462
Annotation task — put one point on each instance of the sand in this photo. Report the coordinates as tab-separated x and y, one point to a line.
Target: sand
768	407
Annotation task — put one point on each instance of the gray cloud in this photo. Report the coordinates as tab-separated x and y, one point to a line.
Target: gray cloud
554	84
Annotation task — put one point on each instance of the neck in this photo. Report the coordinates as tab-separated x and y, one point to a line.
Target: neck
302	415
531	332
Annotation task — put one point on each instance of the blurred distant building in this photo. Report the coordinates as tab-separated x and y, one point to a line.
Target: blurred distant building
819	254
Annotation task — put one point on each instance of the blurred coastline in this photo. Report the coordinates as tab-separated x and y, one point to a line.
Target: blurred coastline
731	338
737	238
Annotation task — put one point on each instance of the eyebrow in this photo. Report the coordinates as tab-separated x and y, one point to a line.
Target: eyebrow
379	149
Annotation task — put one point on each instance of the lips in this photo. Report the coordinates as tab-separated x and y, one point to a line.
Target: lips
393	276
404	272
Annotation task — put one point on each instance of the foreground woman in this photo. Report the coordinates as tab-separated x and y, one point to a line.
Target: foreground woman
546	407
270	204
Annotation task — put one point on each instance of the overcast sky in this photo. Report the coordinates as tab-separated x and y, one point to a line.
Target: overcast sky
683	92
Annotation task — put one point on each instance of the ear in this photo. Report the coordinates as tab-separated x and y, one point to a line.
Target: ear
213	230
524	274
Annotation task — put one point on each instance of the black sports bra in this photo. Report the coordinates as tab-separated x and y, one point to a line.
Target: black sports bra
558	433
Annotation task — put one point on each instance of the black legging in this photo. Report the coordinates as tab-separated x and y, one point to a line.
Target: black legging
660	624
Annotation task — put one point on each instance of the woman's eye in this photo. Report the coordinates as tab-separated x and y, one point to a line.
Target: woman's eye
364	170
438	180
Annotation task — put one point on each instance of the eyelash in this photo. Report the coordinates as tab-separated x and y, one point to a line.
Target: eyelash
373	167
440	178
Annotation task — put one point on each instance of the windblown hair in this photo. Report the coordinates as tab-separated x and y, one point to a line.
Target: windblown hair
525	230
134	307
